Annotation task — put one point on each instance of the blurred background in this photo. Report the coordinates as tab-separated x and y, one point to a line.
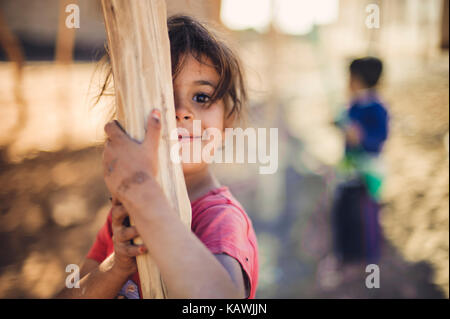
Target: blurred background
296	53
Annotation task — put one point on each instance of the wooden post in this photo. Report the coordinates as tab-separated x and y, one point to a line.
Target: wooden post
65	41
139	50
444	24
10	43
14	53
214	11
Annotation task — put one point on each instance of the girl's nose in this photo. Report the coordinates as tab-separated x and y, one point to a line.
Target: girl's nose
183	114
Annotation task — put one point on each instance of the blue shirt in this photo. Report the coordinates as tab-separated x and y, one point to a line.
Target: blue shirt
372	117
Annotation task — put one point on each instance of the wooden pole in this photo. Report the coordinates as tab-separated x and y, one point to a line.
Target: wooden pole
65	41
444	24
139	51
214	11
15	53
11	43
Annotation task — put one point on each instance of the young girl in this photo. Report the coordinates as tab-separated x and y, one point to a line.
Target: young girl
219	258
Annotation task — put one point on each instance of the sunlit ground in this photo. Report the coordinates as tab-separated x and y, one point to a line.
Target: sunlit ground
416	217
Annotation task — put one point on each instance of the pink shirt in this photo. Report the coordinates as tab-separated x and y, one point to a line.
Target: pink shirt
218	220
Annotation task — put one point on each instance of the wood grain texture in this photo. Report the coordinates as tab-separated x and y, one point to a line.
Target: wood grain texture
139	51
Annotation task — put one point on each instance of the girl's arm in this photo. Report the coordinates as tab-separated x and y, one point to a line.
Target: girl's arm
188	268
106	279
237	274
103	281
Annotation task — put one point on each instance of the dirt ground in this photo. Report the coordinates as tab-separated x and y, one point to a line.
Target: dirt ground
416	215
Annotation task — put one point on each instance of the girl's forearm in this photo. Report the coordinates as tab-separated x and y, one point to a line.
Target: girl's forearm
104	282
188	268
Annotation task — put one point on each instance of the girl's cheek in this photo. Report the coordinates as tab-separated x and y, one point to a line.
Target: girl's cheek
214	116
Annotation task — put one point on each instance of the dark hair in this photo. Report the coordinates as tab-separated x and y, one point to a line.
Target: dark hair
367	69
189	36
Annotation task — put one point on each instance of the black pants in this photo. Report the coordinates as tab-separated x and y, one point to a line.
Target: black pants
355	223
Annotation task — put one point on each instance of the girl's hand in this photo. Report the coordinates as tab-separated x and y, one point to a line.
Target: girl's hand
129	167
353	134
124	251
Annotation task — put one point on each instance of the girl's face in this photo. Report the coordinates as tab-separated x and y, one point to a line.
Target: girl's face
193	88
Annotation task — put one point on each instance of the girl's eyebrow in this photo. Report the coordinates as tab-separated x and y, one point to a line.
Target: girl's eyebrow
205	82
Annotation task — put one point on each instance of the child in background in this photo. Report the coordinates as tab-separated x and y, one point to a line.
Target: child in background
219	257
365	126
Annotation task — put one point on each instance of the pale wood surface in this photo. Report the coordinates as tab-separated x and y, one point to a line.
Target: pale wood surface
139	50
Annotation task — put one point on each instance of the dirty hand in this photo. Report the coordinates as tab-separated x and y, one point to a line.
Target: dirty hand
124	251
129	167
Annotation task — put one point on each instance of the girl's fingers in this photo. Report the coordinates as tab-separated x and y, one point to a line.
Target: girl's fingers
118	215
122	234
127	233
114	201
135	250
114	131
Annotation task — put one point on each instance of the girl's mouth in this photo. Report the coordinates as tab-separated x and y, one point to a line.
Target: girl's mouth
188	137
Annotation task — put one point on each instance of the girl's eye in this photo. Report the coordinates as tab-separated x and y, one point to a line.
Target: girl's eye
201	98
